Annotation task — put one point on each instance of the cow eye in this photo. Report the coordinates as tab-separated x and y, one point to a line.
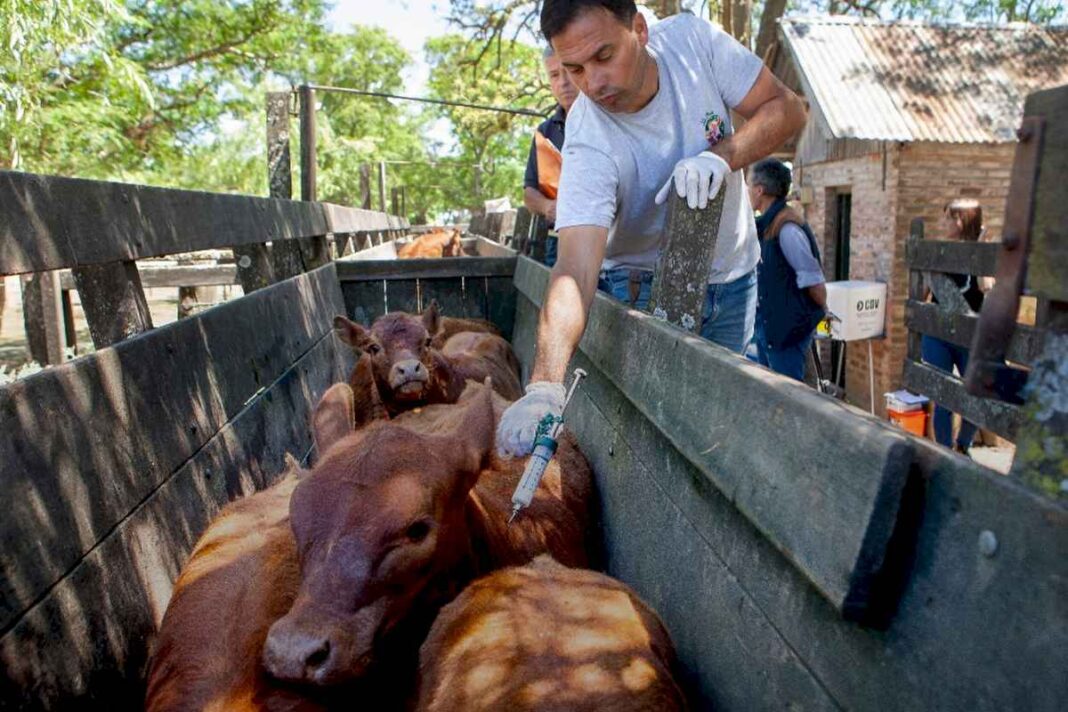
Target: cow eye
417	531
373	349
427	342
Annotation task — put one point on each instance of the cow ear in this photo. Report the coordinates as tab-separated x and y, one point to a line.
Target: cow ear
350	332
432	318
293	466
334	417
367	401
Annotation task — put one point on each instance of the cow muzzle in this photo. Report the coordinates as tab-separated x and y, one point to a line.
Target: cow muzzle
408	379
312	656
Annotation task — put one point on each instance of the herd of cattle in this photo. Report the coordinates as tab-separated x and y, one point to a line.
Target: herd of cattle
386	576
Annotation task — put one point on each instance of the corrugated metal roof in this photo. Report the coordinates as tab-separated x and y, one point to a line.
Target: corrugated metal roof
910	81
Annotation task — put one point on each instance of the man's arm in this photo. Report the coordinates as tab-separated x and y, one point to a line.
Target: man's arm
572	287
539	204
773	114
818	293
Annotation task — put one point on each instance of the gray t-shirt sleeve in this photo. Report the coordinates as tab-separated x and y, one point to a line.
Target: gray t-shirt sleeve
588	183
797	251
734	67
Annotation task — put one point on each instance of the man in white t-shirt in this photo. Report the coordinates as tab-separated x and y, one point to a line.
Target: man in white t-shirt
654	111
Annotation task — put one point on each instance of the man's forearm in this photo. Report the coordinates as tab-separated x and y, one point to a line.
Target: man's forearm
535	201
561	324
773	123
818	293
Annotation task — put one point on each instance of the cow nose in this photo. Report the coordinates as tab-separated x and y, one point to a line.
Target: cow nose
296	656
411	369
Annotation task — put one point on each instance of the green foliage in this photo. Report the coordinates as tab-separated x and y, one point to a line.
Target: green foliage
492	147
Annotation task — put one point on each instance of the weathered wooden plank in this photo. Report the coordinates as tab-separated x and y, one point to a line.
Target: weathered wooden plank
1048	261
915	292
946	390
775	482
501	304
369	250
157	276
485	248
443	268
82	444
118	221
42	316
972	631
448	292
403	295
959	329
475	303
520	229
976	258
86	642
1041	456
113	301
682	272
364	301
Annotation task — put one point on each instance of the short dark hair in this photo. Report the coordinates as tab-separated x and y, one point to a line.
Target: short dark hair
773	176
556	15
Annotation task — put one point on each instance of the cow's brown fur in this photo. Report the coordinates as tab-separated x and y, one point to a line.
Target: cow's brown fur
438	243
547	637
410	371
247	561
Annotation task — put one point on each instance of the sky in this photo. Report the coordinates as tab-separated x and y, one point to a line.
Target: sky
411	22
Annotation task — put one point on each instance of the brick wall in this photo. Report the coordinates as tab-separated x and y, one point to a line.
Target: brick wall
888	191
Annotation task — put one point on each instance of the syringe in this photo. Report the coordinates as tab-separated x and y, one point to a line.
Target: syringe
544	449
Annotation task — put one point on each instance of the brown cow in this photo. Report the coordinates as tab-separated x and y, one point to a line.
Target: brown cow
548	637
410	372
241	577
438	243
395	520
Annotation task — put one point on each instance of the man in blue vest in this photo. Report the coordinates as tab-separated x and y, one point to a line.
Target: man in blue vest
791	296
552	129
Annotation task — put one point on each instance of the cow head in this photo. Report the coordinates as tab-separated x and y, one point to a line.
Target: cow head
400	348
454	247
379	522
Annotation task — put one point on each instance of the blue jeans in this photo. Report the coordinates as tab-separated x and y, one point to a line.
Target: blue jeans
944	356
789	361
730	308
550	250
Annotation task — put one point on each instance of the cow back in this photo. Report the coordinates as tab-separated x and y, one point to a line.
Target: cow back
548	637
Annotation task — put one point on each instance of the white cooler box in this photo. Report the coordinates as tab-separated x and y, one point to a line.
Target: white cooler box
860	307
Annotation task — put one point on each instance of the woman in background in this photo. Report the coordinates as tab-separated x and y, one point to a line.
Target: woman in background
962	220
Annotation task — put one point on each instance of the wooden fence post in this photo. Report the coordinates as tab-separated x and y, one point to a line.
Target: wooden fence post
285	254
113	301
316	250
915	289
42	313
681	280
382	186
365	186
254	261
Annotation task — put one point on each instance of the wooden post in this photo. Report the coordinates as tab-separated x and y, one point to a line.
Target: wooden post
365	186
3	298
382	186
113	301
254	261
70	333
316	250
42	314
520	230
394	200
915	290
681	281
285	254
539	234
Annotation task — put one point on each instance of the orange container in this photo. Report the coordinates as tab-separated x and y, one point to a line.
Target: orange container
914	421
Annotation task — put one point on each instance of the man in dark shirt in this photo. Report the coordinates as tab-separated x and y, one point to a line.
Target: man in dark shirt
552	129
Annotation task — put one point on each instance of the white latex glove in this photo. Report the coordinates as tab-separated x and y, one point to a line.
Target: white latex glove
697	179
519	423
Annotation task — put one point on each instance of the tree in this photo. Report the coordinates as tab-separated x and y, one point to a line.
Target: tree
492	146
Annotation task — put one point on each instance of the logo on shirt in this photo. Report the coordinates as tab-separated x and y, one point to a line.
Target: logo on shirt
714	128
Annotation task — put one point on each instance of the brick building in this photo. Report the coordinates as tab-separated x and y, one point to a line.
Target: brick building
904	117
